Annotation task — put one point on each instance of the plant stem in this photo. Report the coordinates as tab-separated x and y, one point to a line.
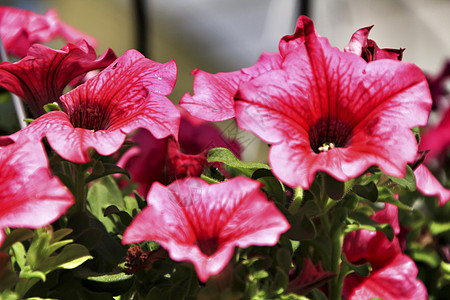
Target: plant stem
79	187
337	238
298	197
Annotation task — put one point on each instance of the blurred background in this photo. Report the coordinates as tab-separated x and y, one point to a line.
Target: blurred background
226	35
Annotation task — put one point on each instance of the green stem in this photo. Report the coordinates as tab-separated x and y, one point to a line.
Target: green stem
298	197
337	238
79	187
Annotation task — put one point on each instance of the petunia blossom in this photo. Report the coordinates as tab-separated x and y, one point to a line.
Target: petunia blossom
322	109
20	28
327	110
310	277
128	94
393	274
29	195
41	76
361	45
213	98
428	185
202	223
165	160
436	139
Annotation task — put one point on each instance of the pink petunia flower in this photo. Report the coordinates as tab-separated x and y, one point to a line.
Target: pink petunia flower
20	28
310	277
436	139
326	110
128	94
203	223
214	94
332	111
165	160
393	274
361	45
41	76
29	195
428	185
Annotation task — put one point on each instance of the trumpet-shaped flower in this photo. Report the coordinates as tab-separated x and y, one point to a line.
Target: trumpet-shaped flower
214	94
166	160
322	109
332	111
202	223
393	274
41	76
20	28
361	45
128	94
29	195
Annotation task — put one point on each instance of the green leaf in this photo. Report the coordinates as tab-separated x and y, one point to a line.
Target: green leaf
71	256
90	237
271	185
131	205
445	268
104	170
52	107
361	270
416	131
386	195
125	218
318	295
116	283
102	194
60	234
258	275
55	246
409	181
225	156
358	221
20	254
27	273
334	188
368	191
9	295
424	255
439	228
37	252
16	235
301	226
208	179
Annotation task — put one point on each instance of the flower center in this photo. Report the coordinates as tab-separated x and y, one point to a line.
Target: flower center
329	132
90	116
208	245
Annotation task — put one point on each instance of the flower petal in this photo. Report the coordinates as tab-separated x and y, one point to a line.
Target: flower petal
202	223
29	195
395	281
131	92
320	90
213	98
20	28
41	76
428	185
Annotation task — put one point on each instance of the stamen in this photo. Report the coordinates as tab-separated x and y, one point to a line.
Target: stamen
326	146
329	132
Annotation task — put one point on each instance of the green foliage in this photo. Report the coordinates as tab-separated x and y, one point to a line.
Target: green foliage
225	156
46	252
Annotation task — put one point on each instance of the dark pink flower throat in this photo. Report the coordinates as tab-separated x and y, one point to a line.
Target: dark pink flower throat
92	116
208	245
329	132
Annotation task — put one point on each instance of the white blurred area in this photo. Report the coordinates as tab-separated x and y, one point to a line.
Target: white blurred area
226	35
